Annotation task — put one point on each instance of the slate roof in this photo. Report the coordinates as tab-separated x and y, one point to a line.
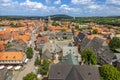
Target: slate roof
46	54
73	72
17	45
81	36
100	47
84	43
70	50
60	35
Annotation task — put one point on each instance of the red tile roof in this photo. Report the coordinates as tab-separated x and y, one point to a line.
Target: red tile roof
11	55
45	38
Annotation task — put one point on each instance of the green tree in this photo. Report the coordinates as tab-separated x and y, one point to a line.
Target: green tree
89	27
44	67
109	26
108	72
30	76
55	24
95	31
89	57
63	30
40	52
37	61
77	27
45	28
114	43
14	25
29	52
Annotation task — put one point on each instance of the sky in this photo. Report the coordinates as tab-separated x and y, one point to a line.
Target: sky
69	7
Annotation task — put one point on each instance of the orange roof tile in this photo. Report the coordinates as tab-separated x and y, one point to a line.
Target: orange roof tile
90	37
2	47
45	38
3	42
25	38
14	29
11	55
107	40
77	32
2	32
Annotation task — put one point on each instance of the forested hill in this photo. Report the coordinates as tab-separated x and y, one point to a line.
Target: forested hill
59	17
53	17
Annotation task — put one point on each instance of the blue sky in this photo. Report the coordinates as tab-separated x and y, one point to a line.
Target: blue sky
69	7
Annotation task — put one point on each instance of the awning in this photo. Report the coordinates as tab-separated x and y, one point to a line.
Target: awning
26	60
2	66
9	67
17	67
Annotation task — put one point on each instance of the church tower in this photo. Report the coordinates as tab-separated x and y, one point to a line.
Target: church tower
49	21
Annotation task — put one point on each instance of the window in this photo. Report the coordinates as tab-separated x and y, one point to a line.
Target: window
73	52
6	57
14	57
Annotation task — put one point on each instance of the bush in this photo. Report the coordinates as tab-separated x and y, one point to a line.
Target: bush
114	43
30	76
108	72
89	57
29	52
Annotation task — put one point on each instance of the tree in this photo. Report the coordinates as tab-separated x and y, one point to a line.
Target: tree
29	52
44	67
63	30
89	27
14	25
109	27
95	31
45	28
37	61
40	52
30	76
114	43
108	72
55	24
89	57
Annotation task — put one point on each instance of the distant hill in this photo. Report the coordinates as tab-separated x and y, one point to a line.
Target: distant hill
59	17
53	17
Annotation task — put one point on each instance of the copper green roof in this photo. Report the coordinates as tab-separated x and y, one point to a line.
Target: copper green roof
69	59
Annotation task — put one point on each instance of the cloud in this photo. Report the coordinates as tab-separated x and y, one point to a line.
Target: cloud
83	2
32	5
77	7
94	6
66	8
47	1
8	3
57	2
114	2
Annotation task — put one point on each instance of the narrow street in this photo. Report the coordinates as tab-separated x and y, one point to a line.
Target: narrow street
29	67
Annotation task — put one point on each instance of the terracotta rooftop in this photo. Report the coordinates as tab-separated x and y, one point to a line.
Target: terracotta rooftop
91	37
14	29
44	38
3	42
11	55
2	47
25	38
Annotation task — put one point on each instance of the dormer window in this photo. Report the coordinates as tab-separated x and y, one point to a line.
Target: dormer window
89	73
73	52
58	73
6	57
14	57
69	49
